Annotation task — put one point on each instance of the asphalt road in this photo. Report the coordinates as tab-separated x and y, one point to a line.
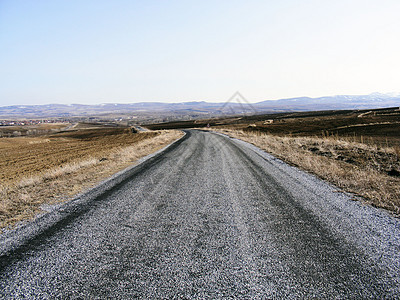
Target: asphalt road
211	217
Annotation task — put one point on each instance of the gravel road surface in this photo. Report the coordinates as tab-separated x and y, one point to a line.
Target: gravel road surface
210	217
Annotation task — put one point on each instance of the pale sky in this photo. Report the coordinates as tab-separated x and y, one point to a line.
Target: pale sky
98	51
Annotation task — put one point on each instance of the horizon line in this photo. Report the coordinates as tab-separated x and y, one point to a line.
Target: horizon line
389	94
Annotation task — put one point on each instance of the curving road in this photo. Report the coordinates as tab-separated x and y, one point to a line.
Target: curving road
210	217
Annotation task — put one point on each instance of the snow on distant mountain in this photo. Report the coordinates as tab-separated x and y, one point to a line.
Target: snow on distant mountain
202	108
375	100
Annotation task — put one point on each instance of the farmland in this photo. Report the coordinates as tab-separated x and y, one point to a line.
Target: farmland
53	168
24	157
379	126
24	128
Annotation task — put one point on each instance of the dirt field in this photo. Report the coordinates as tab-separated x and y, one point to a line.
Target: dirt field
31	130
53	168
380	127
25	157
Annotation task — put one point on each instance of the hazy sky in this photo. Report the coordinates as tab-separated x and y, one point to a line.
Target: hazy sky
129	51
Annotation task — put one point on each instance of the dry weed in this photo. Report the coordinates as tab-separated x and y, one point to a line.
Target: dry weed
355	167
21	198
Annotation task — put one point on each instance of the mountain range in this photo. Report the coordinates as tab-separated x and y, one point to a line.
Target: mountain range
236	105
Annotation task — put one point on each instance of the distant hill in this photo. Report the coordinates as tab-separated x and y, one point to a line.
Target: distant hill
201	108
376	100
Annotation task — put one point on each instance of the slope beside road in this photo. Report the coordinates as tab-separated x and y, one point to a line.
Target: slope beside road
210	217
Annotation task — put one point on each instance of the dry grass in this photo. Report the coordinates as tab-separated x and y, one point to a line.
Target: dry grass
369	171
48	170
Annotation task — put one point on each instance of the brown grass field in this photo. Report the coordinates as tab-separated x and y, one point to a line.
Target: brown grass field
53	168
368	171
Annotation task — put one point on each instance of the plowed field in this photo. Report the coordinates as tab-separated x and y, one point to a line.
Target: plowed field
25	157
54	168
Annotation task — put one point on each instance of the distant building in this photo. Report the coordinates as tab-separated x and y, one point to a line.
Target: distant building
268	122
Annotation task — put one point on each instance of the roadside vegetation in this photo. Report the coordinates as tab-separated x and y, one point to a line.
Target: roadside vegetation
367	170
51	169
357	150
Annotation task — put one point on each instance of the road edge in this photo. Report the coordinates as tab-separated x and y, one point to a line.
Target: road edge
13	240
